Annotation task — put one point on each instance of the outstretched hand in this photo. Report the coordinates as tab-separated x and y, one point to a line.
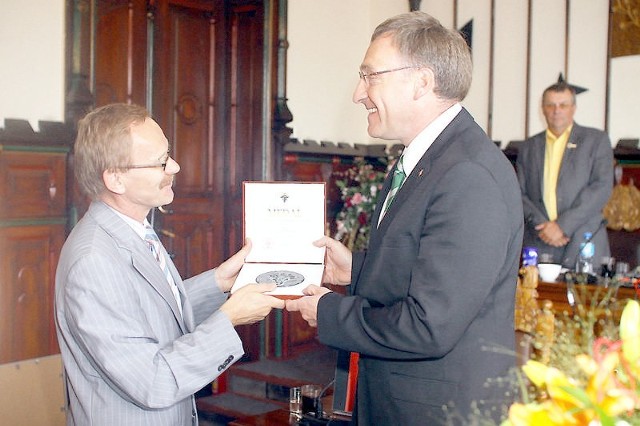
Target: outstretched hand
249	304
308	304
228	270
337	268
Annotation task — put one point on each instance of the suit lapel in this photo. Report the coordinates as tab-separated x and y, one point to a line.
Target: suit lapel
141	258
419	174
155	278
187	310
569	157
536	161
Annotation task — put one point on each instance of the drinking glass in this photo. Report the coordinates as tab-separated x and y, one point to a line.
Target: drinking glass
311	400
295	400
622	268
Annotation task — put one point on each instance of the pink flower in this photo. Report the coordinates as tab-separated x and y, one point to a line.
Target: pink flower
356	199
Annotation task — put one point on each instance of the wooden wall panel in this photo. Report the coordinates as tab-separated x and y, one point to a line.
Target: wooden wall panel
33	185
183	95
245	130
120	52
189	95
27	266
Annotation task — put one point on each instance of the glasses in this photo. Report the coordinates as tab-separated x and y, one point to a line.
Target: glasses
561	107
149	166
364	76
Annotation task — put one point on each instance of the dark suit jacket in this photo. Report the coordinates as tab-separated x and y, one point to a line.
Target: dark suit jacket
432	304
584	186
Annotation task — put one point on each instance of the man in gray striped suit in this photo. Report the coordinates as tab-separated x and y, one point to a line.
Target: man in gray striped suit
136	341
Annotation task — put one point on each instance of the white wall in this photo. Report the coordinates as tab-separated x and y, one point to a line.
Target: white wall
328	39
624	115
32	38
511	67
324	56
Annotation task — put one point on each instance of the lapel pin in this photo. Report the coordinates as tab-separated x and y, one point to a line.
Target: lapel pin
571	145
420	172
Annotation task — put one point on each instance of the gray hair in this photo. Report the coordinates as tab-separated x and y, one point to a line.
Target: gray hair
104	143
424	42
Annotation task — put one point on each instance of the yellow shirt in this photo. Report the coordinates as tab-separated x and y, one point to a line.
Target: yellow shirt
554	150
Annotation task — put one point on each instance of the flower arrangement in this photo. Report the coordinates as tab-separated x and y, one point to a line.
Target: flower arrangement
600	387
359	187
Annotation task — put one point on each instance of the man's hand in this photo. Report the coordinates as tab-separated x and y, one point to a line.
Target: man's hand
228	270
249	304
551	233
337	268
308	305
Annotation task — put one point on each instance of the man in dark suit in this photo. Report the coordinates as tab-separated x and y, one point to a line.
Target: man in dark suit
136	340
566	178
430	305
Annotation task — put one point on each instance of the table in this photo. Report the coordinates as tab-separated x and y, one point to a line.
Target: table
272	418
282	417
556	292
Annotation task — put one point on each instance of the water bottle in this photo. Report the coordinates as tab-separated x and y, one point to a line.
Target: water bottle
529	256
585	258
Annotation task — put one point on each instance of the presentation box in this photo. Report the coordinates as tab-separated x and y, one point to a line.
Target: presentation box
282	220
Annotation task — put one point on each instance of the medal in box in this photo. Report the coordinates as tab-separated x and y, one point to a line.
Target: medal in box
282	220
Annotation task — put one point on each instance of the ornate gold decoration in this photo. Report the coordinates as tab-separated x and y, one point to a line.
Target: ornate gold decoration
630	10
526	309
625	28
622	211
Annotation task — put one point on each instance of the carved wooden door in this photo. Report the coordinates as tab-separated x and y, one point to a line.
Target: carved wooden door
198	66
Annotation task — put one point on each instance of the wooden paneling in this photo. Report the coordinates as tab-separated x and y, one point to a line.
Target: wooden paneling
184	94
557	293
120	52
33	184
32	230
28	263
199	67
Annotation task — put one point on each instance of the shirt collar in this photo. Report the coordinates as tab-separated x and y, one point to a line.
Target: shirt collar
421	143
552	138
138	227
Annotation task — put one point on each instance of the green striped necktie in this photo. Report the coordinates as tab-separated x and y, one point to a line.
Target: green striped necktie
398	178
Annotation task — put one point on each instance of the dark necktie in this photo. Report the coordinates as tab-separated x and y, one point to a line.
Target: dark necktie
398	178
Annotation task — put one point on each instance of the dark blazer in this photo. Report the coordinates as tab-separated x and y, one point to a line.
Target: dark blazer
584	186
431	310
130	357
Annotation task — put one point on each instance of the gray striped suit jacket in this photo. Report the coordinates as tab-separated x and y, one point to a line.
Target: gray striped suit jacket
130	358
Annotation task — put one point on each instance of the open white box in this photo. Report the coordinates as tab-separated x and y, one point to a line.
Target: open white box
282	220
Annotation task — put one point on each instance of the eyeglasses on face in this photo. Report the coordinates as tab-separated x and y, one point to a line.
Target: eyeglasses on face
148	166
367	76
562	106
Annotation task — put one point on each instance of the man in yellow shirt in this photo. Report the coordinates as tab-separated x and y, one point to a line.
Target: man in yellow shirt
566	178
